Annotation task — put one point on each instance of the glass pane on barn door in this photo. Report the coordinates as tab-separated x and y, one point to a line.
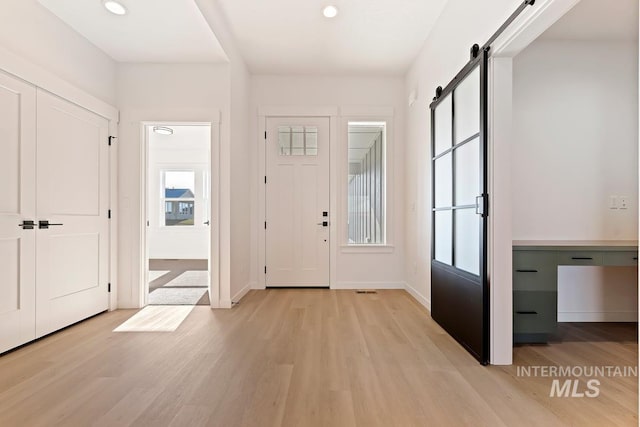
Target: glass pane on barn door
466	98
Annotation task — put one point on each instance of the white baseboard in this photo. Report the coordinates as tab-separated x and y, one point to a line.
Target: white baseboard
598	316
241	293
368	285
418	296
224	303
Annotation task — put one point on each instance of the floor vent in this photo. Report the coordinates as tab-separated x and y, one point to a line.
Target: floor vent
361	291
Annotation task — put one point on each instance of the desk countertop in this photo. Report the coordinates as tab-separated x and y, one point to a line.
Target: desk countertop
576	244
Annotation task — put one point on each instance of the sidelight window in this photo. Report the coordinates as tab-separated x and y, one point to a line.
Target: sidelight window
366	183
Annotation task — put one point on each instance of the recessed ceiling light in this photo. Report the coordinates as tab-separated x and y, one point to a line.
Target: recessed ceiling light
330	12
115	7
163	130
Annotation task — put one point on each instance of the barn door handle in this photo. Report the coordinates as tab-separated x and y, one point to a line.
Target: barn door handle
45	224
480	205
27	224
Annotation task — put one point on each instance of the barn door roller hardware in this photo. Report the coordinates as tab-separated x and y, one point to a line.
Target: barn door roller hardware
475	49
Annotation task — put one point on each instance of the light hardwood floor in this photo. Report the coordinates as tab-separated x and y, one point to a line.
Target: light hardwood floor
303	358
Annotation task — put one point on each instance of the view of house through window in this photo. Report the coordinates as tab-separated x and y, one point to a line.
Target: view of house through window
366	194
179	198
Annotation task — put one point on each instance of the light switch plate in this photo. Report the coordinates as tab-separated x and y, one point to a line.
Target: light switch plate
623	202
613	202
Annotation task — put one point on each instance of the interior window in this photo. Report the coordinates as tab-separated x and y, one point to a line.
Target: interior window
366	183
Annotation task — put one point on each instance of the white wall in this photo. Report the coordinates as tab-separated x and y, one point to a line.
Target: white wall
241	173
351	269
235	172
446	50
576	144
188	148
32	32
165	93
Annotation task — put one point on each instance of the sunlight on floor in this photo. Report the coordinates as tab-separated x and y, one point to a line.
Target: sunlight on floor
156	318
156	274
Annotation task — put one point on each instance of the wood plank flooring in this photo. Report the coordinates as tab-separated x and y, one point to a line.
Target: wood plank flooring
304	358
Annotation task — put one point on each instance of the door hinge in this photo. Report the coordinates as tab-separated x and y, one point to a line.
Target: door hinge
265	269
109	214
265	225
265	179
109	287
111	138
265	135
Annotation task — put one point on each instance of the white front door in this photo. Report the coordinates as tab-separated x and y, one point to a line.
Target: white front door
73	196
297	202
17	204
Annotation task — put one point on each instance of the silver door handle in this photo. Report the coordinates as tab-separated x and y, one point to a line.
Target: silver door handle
479	205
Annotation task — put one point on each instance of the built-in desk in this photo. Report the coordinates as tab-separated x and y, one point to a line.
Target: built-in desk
535	279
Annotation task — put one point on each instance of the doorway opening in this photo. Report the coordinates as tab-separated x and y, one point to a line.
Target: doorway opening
178	205
575	264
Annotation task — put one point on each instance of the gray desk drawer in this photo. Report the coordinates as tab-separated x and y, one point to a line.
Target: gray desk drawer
534	271
535	312
579	258
620	258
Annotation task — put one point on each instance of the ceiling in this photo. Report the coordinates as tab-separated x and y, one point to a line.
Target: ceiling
376	37
184	137
367	36
590	20
151	31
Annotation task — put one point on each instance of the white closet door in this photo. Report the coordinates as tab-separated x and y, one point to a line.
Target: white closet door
17	203
72	191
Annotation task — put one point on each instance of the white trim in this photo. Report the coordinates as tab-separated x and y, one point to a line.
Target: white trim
424	301
226	303
262	197
113	222
529	26
365	111
214	208
293	111
499	222
360	114
597	316
526	28
283	111
368	285
40	77
241	293
367	249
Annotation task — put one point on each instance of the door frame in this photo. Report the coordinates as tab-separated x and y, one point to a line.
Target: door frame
524	30
214	207
265	113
